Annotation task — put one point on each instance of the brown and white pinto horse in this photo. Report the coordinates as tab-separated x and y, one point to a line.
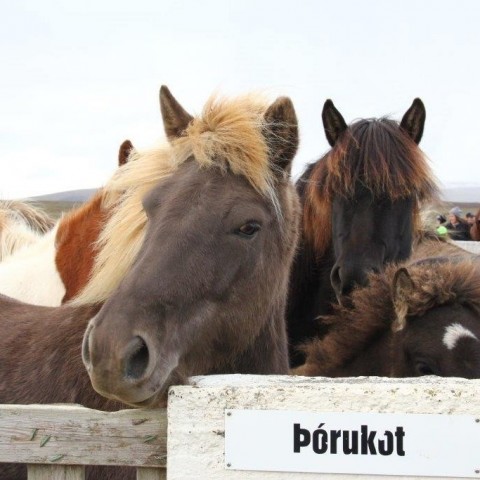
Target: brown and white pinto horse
419	318
216	225
56	265
360	210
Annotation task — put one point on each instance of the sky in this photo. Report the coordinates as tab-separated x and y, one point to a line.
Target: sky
77	78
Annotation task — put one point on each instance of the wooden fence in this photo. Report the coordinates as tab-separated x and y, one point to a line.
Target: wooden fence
57	441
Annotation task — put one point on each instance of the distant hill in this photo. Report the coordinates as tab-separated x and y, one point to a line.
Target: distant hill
462	194
454	194
77	196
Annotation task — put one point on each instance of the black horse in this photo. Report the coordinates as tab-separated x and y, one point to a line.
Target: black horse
360	211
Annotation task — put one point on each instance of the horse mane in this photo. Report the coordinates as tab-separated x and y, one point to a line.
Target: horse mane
21	224
38	220
454	278
379	155
229	134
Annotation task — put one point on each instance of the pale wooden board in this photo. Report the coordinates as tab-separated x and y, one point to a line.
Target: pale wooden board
78	436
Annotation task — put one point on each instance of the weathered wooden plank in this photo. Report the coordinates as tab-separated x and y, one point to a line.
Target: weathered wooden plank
56	472
73	435
151	474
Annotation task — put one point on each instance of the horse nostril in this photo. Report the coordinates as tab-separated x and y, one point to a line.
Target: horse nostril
136	359
86	347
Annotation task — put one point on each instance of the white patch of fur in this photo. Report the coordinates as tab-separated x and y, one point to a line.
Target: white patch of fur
454	332
31	275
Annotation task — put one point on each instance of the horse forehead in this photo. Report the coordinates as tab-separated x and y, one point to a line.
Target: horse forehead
212	186
454	332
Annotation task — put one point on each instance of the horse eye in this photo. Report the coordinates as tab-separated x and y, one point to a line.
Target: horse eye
422	368
248	230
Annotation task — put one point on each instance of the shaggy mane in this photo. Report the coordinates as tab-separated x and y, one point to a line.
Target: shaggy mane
379	155
38	220
229	134
21	224
454	279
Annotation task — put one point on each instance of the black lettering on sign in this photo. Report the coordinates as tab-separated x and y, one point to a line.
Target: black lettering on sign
352	442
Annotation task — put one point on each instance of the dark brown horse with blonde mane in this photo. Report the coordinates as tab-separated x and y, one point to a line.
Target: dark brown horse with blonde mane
419	318
212	220
360	209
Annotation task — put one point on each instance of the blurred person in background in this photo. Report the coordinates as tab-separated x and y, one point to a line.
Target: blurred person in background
458	228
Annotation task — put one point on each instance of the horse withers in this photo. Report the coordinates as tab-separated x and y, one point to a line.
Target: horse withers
360	212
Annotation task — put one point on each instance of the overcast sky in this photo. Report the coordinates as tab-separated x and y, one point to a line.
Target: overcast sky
77	78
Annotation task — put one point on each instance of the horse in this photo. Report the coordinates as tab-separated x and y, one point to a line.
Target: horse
420	317
206	288
217	224
475	228
361	204
21	224
56	265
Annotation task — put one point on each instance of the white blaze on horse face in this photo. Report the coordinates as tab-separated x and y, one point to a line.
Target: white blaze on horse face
454	332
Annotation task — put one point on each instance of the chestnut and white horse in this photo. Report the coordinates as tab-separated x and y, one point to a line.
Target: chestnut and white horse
55	266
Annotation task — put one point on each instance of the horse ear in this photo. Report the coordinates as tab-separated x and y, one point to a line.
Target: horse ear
333	122
281	133
414	120
123	153
403	287
175	118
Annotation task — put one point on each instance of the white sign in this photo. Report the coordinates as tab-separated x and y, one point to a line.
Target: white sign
356	443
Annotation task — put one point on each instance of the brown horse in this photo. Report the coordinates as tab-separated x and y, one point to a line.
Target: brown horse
475	228
77	235
419	318
360	211
207	290
221	201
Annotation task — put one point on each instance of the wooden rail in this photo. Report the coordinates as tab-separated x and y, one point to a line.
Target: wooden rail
58	441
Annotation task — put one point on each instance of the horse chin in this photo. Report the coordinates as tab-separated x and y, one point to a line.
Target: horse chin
159	398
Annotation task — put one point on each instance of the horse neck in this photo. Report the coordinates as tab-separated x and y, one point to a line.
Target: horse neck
310	295
77	247
40	355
